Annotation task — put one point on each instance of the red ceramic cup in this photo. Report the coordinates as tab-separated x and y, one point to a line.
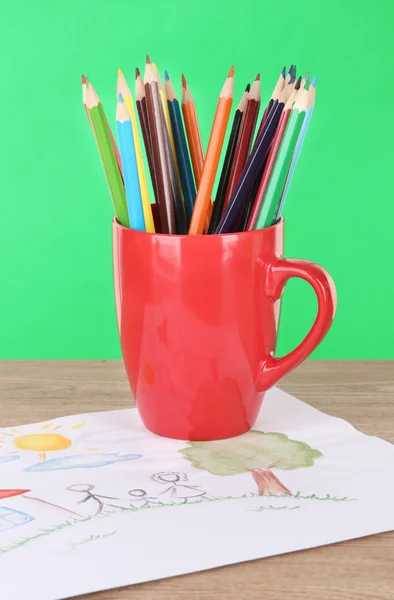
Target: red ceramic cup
198	319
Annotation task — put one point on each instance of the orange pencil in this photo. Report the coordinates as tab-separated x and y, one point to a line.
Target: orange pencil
194	139
215	144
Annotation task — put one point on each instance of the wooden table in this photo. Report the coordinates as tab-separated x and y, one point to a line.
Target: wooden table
361	392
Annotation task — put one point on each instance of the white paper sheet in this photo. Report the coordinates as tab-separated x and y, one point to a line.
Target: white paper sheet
94	501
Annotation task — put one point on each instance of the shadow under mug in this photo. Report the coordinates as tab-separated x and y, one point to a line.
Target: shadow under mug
198	319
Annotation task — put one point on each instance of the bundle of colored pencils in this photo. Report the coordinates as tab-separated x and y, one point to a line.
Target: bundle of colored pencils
257	169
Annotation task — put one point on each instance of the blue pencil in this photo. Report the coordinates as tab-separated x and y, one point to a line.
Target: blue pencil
182	153
129	166
300	141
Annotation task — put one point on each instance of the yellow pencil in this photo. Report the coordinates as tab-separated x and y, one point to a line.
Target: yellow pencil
123	88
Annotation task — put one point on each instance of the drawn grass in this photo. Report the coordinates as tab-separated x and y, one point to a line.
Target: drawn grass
93	538
106	513
270	507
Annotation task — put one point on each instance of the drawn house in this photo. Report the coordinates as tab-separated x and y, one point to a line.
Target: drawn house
10	518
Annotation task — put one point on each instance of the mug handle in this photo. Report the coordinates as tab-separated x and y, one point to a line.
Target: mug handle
273	369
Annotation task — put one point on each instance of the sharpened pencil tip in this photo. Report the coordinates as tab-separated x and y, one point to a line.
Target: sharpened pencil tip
257	77
120	98
147	60
284	72
231	72
291	70
247	89
83	80
137	72
314	81
166	76
298	84
184	84
292	79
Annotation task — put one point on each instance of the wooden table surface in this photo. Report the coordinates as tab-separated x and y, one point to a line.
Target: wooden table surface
360	392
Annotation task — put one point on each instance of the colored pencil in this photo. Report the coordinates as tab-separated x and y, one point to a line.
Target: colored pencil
280	84
107	154
213	155
159	152
283	160
123	89
245	137
228	160
140	100
271	161
300	141
130	167
84	87
163	99
182	153
177	197
252	167
85	83
194	139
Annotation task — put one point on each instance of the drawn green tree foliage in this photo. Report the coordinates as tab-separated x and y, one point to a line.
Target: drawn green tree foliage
255	452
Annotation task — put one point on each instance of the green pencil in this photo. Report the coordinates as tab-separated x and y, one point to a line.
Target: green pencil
108	157
283	160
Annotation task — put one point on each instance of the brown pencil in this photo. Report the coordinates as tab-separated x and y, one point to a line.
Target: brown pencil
159	151
140	99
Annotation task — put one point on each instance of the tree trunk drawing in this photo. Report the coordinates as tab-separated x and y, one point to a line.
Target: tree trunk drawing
268	483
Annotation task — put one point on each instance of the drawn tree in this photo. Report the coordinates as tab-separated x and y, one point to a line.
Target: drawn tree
255	452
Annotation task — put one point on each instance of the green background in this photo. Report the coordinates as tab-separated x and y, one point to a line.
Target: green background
56	296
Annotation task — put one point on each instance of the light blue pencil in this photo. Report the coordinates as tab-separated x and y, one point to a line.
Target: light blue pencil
301	137
129	166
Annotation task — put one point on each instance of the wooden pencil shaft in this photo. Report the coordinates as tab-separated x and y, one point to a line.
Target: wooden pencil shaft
189	189
225	174
130	171
268	169
195	146
218	132
250	171
114	179
297	151
280	170
244	142
123	90
179	207
143	117
251	199
167	217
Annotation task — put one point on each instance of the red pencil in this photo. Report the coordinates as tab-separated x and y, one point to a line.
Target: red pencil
245	137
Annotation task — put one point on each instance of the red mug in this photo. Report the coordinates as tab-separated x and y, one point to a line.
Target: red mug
198	319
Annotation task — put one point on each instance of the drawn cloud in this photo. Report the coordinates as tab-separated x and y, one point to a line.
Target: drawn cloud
81	462
5	459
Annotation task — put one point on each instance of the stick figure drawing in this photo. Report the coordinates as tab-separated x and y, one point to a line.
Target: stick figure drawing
139	499
85	488
176	490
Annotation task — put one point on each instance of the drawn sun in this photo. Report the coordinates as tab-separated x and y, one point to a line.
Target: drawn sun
46	440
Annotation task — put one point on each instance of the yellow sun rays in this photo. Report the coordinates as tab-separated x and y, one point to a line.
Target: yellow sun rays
48	441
